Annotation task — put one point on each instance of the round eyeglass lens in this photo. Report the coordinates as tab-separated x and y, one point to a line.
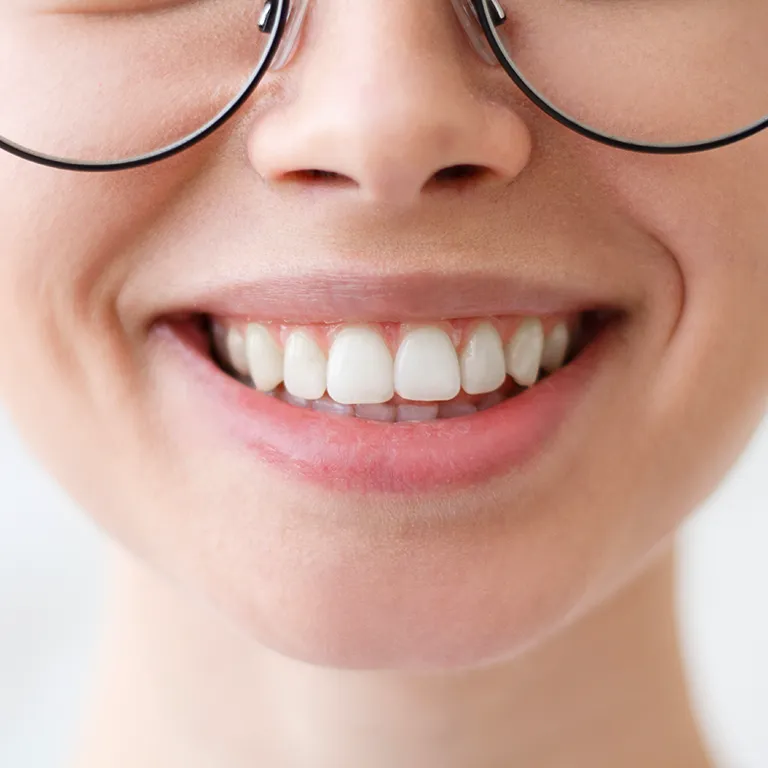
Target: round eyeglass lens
108	81
661	72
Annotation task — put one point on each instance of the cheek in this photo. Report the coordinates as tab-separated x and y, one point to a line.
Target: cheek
710	388
708	210
66	242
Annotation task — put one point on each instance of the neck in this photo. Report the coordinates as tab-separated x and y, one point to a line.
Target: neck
178	686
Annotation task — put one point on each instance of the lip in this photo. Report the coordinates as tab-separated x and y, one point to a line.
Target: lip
321	297
348	454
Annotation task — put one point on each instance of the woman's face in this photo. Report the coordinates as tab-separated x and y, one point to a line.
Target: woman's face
349	541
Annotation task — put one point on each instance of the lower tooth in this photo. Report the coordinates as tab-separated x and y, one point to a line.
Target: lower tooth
491	399
376	412
417	412
452	410
391	413
293	400
326	405
384	412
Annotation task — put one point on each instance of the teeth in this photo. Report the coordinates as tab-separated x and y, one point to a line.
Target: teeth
491	399
230	344
360	369
417	412
304	366
326	405
523	353
293	400
482	361
376	412
452	410
555	347
361	377
405	412
265	358
426	366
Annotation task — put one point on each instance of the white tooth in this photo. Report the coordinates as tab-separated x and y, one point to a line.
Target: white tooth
523	353
452	410
287	397
265	358
326	405
304	366
376	412
555	347
360	368
230	344
426	366
417	412
482	362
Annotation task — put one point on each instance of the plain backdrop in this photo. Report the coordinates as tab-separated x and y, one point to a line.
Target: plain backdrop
52	566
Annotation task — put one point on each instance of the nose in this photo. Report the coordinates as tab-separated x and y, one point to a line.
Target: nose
382	98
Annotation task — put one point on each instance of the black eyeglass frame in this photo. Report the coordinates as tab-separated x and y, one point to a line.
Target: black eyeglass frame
273	20
490	16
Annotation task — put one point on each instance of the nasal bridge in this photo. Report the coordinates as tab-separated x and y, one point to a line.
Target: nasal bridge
466	10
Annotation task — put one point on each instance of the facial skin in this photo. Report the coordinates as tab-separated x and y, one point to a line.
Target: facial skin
441	579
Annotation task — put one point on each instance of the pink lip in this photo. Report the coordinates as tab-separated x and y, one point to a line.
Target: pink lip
355	297
348	454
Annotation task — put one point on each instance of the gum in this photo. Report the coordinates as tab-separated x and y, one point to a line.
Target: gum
458	330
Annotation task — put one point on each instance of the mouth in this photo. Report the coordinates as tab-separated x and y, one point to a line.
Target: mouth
399	372
374	405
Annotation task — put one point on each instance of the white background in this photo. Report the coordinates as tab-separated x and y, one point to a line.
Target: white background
51	580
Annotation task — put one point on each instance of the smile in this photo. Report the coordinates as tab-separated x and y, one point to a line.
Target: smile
397	372
379	405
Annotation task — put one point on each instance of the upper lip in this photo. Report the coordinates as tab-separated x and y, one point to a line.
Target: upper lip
325	297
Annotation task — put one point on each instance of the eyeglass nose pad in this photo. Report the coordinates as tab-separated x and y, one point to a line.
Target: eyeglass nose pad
467	13
297	10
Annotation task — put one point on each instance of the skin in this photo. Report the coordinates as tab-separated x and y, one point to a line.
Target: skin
278	637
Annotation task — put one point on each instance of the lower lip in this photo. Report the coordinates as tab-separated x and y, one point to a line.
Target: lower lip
350	454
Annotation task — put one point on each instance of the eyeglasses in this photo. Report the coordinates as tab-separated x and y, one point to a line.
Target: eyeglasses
114	84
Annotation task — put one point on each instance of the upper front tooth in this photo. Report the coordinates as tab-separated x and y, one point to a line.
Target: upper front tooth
523	353
304	366
555	347
426	366
265	358
482	361
360	368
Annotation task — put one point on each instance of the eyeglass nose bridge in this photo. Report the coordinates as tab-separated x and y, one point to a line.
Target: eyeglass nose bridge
466	11
297	10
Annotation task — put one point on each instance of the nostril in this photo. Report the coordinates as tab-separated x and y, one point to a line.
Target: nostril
450	173
458	173
314	174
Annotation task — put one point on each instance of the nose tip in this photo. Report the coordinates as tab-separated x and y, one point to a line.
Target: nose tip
392	118
391	156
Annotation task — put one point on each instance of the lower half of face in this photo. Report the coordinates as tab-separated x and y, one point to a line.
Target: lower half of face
404	488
